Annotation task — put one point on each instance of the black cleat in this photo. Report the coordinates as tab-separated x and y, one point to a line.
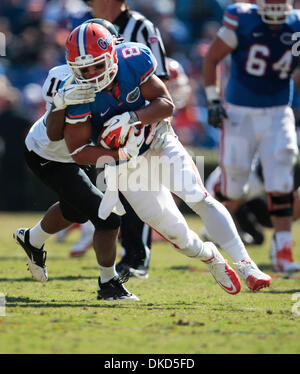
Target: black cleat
36	257
124	269
140	271
114	290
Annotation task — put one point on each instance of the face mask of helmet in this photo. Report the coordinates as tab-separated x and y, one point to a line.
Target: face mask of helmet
101	47
274	14
100	81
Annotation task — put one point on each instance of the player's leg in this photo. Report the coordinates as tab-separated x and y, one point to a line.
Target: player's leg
136	244
216	218
158	209
85	241
212	185
79	201
32	240
81	204
278	153
296	205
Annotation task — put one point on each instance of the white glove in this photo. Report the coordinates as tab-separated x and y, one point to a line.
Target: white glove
72	94
118	127
133	144
162	129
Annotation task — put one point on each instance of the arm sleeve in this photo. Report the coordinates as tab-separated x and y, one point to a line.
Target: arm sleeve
228	36
141	62
78	113
231	18
148	65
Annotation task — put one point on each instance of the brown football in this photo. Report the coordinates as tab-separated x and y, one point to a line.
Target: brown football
103	144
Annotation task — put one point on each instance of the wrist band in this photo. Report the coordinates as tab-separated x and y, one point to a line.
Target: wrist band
134	117
212	93
122	154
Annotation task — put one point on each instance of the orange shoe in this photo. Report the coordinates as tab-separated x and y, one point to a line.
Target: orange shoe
282	259
254	278
224	275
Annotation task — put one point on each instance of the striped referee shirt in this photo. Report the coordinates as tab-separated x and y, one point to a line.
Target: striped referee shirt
134	27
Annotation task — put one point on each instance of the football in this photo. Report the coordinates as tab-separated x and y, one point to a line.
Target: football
105	143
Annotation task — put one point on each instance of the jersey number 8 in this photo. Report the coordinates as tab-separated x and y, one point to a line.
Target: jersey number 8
128	52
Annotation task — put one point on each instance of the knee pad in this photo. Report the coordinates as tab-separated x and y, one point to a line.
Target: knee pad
71	214
283	200
112	222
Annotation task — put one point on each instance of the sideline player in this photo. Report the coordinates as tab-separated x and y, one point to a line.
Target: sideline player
125	79
258	117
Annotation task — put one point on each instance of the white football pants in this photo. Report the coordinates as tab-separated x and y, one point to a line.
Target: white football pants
268	131
149	187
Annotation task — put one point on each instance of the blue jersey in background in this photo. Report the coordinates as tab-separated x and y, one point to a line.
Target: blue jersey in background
262	63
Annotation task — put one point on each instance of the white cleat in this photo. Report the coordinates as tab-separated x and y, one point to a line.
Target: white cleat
282	259
224	275
254	278
36	257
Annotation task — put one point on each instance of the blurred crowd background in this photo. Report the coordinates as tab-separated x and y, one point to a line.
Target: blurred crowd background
35	32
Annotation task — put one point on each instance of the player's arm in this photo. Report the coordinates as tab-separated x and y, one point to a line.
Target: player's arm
160	102
78	137
55	123
68	94
216	53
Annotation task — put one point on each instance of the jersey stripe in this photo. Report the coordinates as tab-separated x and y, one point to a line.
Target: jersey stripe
78	115
230	21
229	26
231	16
148	73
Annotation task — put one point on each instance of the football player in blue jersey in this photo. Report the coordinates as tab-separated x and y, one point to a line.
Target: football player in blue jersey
258	116
133	103
117	98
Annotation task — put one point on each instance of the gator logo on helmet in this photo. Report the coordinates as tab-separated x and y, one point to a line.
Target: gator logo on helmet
104	43
133	95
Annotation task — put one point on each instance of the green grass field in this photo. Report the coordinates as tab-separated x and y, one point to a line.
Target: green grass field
181	309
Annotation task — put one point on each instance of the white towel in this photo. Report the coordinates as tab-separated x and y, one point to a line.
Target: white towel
111	202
